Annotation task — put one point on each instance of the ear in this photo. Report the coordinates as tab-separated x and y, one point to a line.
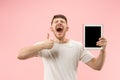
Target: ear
51	28
67	28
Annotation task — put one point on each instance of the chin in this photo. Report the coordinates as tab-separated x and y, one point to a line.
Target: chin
59	37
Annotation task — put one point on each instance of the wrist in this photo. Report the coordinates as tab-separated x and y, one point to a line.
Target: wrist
103	50
43	46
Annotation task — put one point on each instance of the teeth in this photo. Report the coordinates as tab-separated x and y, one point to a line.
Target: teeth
59	29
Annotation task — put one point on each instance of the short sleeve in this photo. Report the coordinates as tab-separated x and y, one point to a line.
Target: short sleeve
85	56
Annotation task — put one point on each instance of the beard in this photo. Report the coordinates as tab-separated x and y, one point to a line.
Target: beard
60	37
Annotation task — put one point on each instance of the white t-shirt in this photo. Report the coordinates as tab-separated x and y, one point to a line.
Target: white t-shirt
61	62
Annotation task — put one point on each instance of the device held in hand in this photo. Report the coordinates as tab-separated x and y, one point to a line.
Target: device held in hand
92	33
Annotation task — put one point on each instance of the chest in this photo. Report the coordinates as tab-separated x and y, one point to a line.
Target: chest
65	52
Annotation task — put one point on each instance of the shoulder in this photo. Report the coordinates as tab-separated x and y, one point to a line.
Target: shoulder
76	42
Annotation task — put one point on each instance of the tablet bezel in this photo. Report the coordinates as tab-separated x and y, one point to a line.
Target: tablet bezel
93	25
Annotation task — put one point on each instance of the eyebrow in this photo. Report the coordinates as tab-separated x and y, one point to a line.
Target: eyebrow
60	20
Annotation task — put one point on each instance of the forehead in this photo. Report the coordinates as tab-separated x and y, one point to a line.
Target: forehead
59	19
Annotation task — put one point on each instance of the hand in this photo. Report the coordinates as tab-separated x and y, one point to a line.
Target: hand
102	42
48	44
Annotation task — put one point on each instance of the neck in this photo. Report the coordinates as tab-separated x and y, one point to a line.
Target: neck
63	40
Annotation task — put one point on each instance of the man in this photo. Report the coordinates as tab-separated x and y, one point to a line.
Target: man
61	55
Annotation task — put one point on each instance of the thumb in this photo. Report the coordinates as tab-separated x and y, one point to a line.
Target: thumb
48	35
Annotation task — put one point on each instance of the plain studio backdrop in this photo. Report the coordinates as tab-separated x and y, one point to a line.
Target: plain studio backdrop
24	22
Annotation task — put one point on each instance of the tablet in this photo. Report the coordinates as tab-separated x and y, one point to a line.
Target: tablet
92	33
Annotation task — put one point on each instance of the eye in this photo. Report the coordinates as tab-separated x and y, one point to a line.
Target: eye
62	21
55	21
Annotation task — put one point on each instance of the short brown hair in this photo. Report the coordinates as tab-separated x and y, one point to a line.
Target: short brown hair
59	16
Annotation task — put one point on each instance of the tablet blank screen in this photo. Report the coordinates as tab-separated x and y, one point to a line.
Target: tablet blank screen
92	35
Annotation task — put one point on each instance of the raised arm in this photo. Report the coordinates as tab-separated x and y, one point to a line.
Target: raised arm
97	63
32	51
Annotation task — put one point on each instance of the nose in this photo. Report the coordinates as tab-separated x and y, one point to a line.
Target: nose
59	24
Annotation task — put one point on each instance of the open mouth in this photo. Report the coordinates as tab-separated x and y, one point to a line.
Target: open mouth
59	29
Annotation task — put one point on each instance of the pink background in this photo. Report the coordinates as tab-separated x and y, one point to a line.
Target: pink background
24	22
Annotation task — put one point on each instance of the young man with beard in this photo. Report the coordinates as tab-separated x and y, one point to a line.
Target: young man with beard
62	55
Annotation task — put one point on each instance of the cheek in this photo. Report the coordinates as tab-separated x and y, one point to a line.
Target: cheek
66	29
52	29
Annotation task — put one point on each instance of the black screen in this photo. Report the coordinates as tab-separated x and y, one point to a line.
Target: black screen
92	35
